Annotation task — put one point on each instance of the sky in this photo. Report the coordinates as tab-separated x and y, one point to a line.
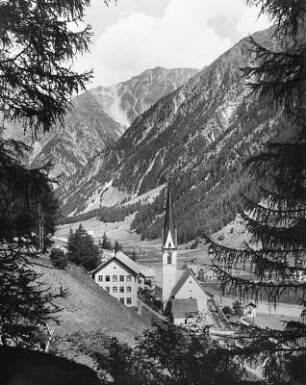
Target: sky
130	36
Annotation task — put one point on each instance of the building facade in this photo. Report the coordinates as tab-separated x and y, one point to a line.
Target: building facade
119	277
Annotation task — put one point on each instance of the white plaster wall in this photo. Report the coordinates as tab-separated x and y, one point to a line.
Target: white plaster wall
191	289
179	321
114	268
169	275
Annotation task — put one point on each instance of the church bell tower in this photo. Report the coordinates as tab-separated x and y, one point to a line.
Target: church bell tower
169	252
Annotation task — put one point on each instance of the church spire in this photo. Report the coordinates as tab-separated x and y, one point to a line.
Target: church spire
169	241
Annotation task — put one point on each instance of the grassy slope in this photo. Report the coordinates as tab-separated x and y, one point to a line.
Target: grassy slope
87	307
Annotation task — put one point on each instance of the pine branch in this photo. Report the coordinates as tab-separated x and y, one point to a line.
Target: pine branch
258	290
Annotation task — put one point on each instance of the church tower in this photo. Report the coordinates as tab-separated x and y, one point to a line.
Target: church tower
169	252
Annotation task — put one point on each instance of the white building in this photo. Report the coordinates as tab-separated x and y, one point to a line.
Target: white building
119	276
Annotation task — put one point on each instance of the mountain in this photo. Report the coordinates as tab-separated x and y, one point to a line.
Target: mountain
198	137
125	101
86	130
98	118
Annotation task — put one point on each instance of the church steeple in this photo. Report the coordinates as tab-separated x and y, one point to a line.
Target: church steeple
169	252
169	239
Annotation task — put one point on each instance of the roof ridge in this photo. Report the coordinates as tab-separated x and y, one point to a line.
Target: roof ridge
169	222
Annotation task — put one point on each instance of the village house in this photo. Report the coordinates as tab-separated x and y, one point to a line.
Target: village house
119	276
249	310
207	273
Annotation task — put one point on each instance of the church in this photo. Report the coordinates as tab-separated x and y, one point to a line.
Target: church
184	298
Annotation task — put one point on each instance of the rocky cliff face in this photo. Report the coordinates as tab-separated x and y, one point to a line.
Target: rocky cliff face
198	136
125	101
99	117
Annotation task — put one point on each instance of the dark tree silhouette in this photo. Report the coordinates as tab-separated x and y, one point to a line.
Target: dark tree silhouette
276	252
166	355
38	41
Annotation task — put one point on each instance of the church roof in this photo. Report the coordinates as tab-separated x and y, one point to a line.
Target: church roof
183	278
169	223
184	307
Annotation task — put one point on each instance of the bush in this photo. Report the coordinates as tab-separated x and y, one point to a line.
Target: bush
58	258
195	243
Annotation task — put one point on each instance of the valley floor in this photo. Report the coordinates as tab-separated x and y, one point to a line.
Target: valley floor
150	255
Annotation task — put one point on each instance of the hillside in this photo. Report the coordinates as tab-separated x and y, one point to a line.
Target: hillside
98	118
87	307
125	101
198	137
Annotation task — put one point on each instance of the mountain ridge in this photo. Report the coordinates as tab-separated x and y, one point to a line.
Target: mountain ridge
98	118
198	137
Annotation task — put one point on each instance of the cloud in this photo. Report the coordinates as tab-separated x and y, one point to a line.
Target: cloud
181	34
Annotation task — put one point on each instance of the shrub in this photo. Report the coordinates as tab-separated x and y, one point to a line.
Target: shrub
58	258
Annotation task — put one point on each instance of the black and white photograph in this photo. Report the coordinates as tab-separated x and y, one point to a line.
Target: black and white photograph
152	192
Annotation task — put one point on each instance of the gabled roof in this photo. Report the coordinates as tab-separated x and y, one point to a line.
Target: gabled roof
147	272
184	307
169	224
179	284
250	304
122	259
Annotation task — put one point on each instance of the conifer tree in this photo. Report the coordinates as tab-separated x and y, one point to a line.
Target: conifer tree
38	41
276	252
106	242
82	249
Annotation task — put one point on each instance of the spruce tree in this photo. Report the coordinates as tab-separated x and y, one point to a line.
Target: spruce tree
82	249
106	242
275	254
38	41
25	303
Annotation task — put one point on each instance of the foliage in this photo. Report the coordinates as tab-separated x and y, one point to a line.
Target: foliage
38	41
82	249
105	214
106	243
276	254
25	304
164	355
117	247
58	258
23	193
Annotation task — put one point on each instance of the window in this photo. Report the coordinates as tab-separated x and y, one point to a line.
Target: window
121	300
107	288
121	278
128	278
169	258
115	289
129	289
121	289
115	278
129	301
107	278
100	278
